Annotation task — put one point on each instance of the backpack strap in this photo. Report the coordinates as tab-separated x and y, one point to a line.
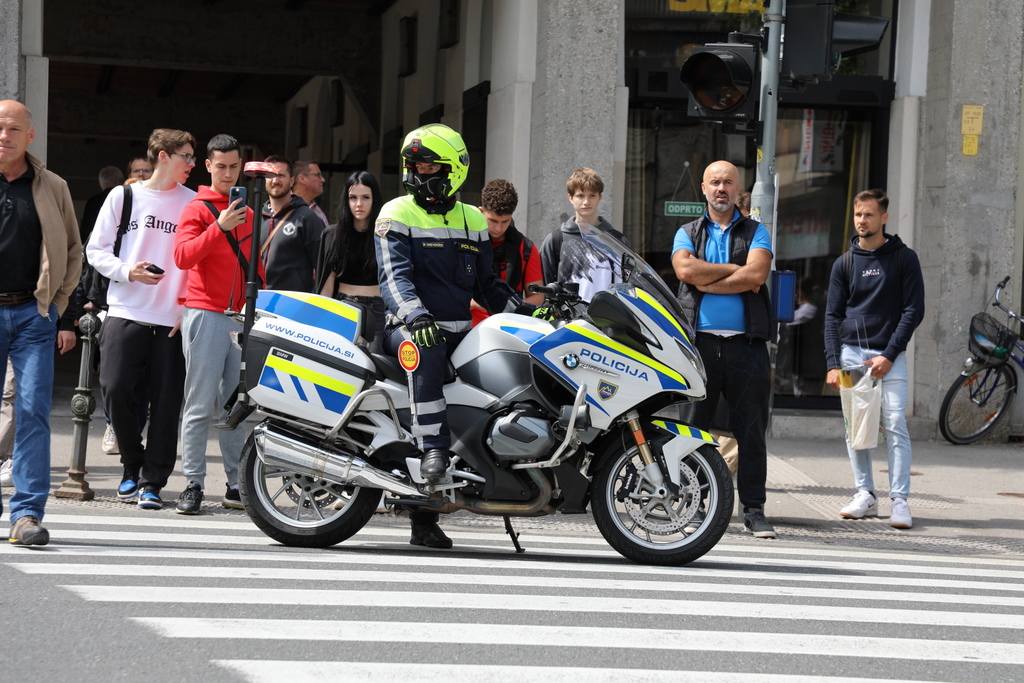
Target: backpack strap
126	214
242	261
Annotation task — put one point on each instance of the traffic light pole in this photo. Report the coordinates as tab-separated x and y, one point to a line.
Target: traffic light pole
762	198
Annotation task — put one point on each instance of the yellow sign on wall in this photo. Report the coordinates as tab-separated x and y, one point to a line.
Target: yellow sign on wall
969	148
716	6
972	118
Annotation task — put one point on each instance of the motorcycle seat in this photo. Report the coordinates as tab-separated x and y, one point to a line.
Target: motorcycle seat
388	368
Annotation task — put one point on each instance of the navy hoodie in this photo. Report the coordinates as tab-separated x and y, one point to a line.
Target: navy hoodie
884	305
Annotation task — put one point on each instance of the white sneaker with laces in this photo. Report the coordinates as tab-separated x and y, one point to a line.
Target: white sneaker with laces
110	441
899	517
863	504
5	473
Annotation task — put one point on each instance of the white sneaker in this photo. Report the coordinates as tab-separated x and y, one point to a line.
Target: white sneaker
5	473
899	518
110	441
863	504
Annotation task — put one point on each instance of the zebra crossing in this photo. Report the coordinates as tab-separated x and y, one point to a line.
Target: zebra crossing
216	590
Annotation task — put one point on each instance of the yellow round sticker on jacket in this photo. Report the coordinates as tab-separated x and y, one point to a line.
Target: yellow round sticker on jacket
408	356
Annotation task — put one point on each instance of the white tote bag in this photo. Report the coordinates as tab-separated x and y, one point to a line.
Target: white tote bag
862	411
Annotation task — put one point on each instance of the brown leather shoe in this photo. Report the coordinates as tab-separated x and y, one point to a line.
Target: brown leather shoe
27	531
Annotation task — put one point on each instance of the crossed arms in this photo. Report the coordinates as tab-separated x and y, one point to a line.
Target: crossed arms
723	278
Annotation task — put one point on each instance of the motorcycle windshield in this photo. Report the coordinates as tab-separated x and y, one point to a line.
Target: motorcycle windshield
609	261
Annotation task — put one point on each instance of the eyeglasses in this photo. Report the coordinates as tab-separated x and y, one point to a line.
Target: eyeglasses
188	158
314	175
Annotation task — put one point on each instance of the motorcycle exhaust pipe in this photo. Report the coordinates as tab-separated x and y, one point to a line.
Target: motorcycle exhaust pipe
277	449
527	509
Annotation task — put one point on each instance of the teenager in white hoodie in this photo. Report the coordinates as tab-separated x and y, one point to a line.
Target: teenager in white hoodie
140	348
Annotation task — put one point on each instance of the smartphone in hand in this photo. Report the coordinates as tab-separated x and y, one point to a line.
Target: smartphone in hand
237	192
155	269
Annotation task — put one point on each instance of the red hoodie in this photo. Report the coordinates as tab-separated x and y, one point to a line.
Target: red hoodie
215	277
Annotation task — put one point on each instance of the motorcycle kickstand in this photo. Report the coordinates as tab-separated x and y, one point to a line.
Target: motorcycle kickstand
513	534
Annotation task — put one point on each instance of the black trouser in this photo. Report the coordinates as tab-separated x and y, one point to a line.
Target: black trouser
142	361
374	312
431	430
738	370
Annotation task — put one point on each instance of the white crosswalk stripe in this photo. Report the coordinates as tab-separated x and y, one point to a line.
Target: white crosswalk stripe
570	609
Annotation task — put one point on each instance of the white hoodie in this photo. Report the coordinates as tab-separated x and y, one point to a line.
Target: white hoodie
150	237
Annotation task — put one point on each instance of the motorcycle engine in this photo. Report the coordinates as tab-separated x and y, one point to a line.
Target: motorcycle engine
523	434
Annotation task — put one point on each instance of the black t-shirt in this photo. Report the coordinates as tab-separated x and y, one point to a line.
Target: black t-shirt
357	270
21	236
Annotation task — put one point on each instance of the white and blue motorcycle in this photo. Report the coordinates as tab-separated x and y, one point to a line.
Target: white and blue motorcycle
544	417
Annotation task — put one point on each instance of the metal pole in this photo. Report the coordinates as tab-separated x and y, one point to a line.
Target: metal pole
82	406
762	199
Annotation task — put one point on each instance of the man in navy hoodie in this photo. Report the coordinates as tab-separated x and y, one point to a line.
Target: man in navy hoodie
875	302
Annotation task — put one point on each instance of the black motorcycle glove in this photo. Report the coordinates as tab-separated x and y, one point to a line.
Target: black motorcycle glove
425	332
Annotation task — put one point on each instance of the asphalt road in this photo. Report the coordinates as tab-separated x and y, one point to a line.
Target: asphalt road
122	594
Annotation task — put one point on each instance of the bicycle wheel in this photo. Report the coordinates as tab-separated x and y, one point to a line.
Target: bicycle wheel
976	402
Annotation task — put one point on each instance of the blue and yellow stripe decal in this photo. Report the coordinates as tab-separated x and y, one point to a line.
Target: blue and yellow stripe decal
681	429
333	393
659	314
316	311
528	336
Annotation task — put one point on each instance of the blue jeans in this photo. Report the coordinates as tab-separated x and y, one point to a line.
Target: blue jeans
29	340
894	425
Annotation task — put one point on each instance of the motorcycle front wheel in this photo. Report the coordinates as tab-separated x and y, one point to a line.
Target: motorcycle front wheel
298	510
668	530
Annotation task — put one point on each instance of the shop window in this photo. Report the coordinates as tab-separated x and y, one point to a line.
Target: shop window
301	126
407	46
338	102
448	29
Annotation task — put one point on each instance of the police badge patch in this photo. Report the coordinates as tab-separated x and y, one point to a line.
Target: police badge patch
606	390
382	226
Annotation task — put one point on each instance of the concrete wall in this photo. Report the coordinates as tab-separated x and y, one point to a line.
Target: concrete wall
579	108
12	64
966	223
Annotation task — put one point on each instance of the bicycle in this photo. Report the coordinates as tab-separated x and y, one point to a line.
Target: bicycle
981	395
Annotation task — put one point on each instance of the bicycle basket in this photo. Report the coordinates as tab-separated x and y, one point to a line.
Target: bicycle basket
990	341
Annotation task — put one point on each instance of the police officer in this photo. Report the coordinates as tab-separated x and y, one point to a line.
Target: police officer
434	256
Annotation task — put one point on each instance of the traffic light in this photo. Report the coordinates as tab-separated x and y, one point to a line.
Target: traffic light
817	37
724	80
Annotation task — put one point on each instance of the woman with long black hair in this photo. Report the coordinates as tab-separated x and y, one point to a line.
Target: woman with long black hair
346	265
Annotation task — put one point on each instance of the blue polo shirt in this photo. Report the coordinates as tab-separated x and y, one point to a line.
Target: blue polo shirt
721	313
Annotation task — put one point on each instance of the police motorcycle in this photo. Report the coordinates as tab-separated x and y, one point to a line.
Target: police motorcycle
544	416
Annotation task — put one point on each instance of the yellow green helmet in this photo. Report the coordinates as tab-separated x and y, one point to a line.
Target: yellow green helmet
435	143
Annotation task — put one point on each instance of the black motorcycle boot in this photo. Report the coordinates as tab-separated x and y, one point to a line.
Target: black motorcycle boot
426	532
434	465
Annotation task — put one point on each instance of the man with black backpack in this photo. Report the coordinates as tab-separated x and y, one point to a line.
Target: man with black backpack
212	244
875	302
132	245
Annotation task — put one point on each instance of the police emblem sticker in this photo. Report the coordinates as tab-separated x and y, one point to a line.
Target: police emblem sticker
606	390
571	361
288	229
381	227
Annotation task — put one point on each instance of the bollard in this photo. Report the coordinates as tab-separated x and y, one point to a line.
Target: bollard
82	406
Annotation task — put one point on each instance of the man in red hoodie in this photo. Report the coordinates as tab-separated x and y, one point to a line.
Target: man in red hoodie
212	244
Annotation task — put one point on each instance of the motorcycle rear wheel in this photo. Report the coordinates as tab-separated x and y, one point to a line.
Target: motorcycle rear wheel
652	531
299	511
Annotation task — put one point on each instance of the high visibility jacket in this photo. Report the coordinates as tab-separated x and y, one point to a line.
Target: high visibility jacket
431	263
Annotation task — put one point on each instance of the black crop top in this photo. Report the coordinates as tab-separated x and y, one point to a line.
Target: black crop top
356	270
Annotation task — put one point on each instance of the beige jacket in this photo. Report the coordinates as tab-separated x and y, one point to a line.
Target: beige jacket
60	259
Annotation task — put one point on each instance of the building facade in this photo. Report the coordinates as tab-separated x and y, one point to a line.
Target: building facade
538	88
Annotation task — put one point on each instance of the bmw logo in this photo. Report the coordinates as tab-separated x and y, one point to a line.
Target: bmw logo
571	361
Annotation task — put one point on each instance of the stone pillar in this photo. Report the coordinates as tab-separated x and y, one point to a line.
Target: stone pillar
12	64
510	104
579	110
24	72
966	216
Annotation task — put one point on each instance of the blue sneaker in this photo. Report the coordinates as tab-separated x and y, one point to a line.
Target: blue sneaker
149	498
129	486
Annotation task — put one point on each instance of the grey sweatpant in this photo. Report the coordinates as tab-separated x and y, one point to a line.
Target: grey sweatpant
211	376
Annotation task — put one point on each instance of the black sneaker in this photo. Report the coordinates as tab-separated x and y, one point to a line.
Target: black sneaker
232	499
429	535
190	500
755	523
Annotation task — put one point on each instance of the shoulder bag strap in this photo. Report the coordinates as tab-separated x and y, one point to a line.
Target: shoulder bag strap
126	214
242	261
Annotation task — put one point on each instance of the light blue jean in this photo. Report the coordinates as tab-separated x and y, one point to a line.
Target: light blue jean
211	377
29	339
894	425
